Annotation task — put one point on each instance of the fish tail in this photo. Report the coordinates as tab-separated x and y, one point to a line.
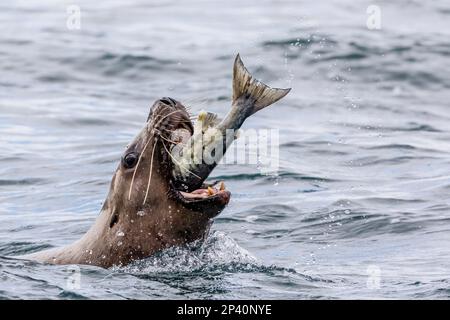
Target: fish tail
250	89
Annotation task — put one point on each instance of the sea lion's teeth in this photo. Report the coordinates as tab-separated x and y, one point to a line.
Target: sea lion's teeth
210	191
222	186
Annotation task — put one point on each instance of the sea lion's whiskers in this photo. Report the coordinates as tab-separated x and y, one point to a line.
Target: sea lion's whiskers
170	113
167	131
151	124
168	140
178	163
151	170
160	134
135	169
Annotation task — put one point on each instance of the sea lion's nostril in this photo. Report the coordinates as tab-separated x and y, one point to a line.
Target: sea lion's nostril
168	101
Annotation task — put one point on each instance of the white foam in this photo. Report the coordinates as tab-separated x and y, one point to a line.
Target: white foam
218	250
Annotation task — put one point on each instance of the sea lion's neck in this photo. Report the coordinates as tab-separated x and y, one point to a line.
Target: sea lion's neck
117	238
121	235
86	250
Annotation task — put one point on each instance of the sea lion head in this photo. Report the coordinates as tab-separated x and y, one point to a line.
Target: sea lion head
143	201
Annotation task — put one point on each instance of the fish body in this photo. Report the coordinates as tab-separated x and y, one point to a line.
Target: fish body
198	156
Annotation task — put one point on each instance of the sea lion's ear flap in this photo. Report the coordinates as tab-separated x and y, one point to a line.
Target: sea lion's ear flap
113	220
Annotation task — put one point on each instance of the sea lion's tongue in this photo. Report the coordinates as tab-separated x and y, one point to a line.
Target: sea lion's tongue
204	193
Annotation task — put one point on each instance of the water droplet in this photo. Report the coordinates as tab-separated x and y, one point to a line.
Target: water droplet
141	213
120	233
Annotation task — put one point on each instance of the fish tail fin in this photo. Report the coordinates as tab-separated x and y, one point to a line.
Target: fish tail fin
248	88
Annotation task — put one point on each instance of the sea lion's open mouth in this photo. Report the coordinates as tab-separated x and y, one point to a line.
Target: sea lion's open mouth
211	199
204	193
176	129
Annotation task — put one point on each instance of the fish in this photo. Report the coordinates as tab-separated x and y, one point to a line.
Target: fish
195	156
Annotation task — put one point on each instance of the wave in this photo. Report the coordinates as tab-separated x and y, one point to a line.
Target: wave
16	248
285	175
217	252
22	182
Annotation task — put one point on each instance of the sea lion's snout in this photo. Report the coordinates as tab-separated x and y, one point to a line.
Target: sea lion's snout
168	101
168	115
169	123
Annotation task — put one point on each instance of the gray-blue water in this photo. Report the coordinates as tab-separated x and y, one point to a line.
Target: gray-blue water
361	204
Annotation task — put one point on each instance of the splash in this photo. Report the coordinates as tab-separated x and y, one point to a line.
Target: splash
217	251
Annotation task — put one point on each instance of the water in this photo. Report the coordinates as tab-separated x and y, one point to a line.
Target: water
360	207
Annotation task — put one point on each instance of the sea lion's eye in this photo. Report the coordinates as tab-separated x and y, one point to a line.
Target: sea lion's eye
130	160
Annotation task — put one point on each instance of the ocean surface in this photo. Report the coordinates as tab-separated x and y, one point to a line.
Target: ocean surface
360	205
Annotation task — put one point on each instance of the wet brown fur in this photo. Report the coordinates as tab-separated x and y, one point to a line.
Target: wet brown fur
131	229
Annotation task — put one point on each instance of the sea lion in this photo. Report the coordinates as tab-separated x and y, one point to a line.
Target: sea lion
149	207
